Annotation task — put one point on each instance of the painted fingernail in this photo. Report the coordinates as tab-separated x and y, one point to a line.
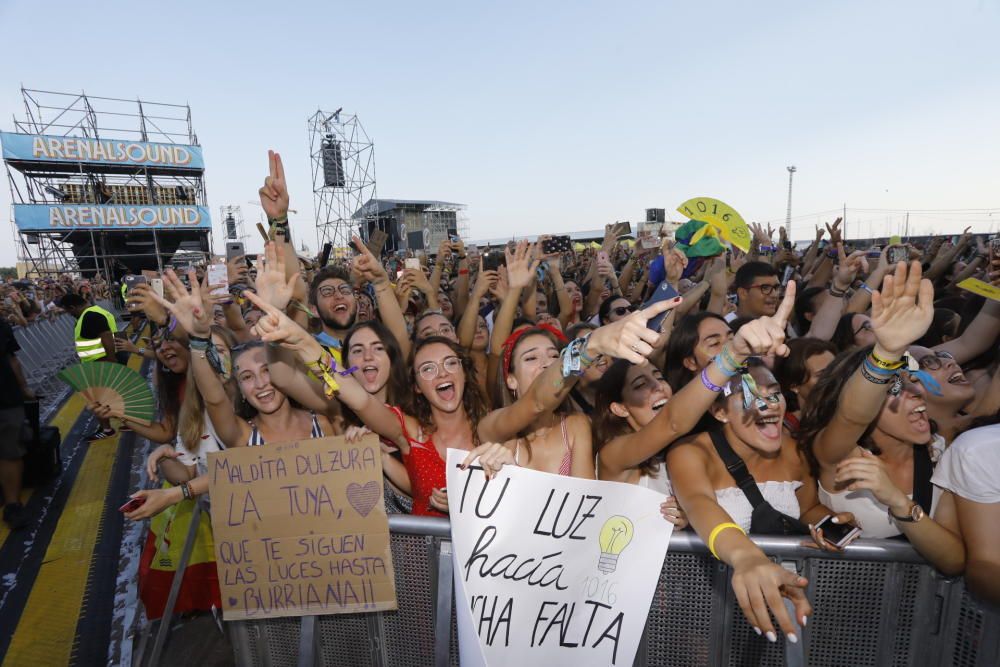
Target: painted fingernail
756	629
805	620
771	637
792	638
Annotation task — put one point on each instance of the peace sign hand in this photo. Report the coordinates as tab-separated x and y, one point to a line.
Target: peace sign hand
629	338
274	194
902	311
189	307
766	335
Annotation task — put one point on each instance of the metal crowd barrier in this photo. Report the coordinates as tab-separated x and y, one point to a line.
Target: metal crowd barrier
878	604
47	347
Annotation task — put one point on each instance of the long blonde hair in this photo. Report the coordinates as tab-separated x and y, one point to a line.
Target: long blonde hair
191	425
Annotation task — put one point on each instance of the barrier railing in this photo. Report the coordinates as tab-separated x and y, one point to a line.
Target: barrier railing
876	604
47	347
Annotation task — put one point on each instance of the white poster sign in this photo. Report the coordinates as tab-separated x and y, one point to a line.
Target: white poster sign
552	570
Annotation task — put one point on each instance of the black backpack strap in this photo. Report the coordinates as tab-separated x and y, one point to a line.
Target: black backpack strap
737	468
923	490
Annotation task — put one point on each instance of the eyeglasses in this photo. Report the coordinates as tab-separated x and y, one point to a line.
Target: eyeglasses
766	289
443	330
330	290
934	362
430	369
621	310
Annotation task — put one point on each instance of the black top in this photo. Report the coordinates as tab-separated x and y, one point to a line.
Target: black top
10	390
94	324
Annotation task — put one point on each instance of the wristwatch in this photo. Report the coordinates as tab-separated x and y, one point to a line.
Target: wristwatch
141	352
915	514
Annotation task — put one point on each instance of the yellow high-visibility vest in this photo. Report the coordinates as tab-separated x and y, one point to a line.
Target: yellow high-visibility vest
92	349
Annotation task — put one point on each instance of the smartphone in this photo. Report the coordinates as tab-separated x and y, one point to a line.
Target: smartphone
556	244
218	274
662	292
787	275
234	249
157	285
994	249
837	534
131	281
132	505
493	260
897	254
325	255
540	271
602	256
874	253
411	263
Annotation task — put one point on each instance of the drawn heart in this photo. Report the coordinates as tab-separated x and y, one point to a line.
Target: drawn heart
363	496
232	602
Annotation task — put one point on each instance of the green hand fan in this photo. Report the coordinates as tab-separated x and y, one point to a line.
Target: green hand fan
124	390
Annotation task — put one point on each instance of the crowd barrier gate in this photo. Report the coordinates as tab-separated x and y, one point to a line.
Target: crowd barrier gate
879	604
47	347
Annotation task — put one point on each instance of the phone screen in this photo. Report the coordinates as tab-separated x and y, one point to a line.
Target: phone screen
218	275
834	532
132	505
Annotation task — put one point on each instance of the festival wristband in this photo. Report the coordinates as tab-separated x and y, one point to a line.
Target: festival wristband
875	370
186	491
280	220
715	533
884	363
866	288
707	382
875	379
730	361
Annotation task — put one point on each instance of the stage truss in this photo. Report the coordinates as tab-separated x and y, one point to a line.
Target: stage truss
335	205
95	117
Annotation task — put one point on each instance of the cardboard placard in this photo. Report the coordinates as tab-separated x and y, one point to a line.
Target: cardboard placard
552	570
376	241
721	217
980	287
300	529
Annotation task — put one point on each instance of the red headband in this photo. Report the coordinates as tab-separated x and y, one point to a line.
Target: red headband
511	342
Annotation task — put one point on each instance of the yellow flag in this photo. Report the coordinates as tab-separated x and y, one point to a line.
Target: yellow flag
720	216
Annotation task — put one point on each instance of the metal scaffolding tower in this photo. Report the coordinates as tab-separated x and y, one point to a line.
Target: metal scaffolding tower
343	174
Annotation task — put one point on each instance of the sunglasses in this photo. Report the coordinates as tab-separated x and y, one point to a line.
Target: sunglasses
621	310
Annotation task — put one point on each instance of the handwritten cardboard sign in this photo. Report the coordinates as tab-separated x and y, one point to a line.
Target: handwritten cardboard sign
552	570
300	529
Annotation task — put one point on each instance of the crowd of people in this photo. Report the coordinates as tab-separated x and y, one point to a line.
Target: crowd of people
780	388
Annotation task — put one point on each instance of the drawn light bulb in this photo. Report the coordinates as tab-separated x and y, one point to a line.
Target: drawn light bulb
616	533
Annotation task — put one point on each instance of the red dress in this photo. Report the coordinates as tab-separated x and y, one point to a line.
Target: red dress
425	468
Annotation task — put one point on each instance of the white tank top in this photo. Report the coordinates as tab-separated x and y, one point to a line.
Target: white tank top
660	483
871	515
781	496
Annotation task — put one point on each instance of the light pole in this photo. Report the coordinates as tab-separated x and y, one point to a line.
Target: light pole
788	215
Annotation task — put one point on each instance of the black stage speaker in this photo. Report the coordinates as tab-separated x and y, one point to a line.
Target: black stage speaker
656	215
333	163
415	240
230	226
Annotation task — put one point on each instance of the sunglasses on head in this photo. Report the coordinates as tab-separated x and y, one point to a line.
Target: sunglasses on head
934	362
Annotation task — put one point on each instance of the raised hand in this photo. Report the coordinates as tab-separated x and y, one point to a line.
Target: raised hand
366	266
848	267
766	335
629	338
191	307
237	270
520	266
902	311
141	298
835	233
274	194
271	284
485	281
674	261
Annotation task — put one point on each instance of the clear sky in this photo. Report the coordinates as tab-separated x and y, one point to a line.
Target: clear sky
562	116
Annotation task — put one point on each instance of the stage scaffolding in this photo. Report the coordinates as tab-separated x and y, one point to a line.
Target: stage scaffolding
110	253
343	175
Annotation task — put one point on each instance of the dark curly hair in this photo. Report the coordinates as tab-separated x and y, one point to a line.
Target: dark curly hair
472	397
824	399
